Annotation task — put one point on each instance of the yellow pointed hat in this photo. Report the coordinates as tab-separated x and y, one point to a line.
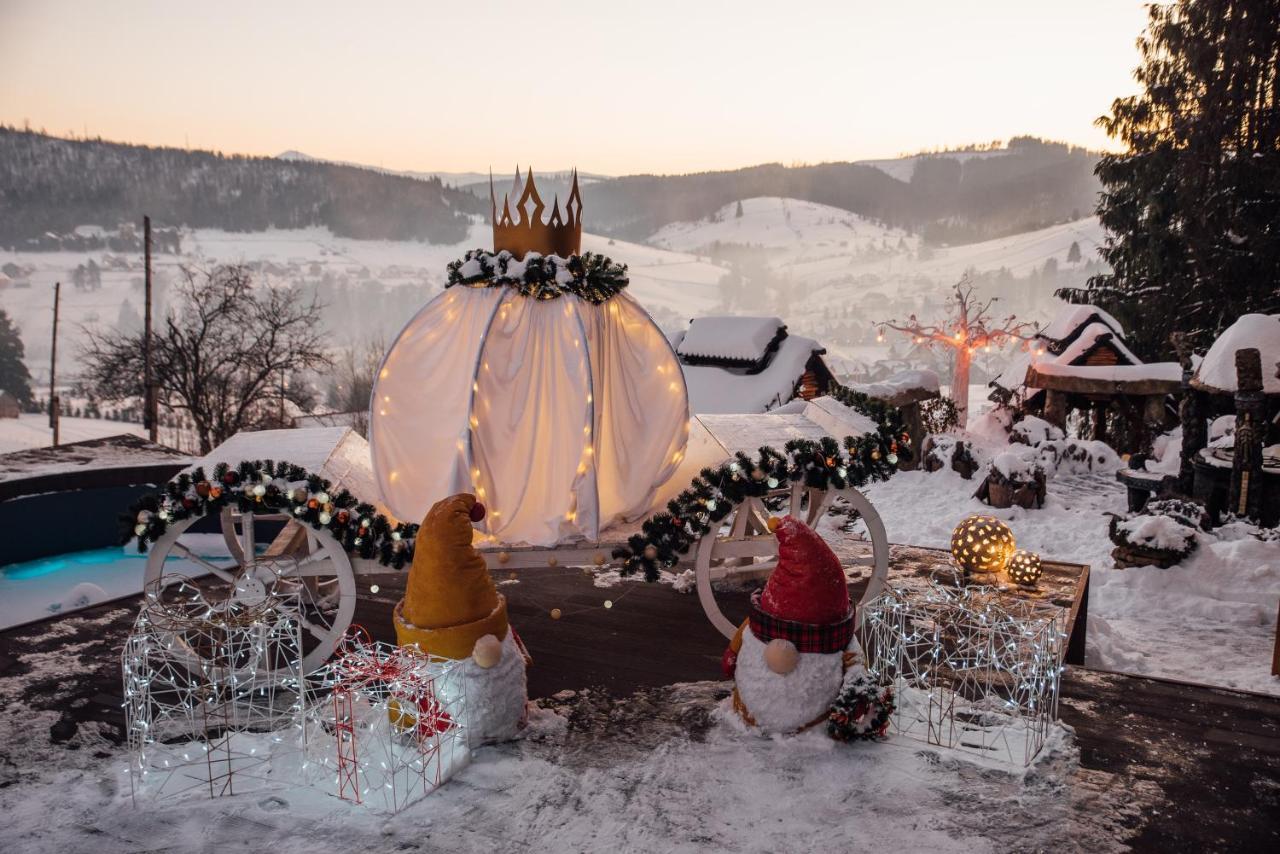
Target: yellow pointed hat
450	601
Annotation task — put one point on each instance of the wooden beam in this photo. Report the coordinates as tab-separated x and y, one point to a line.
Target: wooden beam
1106	388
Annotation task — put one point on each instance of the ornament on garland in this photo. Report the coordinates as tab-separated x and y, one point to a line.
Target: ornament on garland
981	544
267	486
821	464
591	277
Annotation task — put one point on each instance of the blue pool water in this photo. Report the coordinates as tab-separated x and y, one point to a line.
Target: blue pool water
56	585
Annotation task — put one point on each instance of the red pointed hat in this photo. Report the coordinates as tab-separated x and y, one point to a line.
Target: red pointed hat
808	585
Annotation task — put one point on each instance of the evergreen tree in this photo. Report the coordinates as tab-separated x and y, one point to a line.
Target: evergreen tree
14	377
1073	254
738	212
1191	207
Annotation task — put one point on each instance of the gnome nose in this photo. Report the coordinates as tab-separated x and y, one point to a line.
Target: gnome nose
477	512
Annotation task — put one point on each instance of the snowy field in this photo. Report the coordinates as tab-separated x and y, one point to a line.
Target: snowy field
32	431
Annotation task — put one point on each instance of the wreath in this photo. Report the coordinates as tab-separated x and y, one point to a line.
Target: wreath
277	487
862	710
594	278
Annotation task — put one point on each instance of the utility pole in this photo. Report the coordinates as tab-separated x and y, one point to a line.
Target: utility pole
55	411
148	383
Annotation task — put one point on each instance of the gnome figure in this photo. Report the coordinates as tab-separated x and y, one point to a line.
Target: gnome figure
788	659
452	609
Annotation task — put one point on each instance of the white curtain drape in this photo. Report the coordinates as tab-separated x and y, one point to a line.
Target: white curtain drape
562	416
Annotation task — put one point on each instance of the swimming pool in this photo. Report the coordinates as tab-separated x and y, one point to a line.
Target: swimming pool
63	583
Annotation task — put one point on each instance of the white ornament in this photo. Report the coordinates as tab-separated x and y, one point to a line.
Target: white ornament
259	490
322	497
324	518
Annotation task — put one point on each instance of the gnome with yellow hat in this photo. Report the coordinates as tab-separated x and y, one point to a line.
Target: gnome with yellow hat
451	608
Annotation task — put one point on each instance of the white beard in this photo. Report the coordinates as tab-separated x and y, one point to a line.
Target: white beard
496	696
784	702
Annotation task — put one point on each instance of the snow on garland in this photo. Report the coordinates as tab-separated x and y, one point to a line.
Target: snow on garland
594	278
862	710
267	486
822	464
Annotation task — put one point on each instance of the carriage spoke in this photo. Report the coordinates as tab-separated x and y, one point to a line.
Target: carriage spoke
247	542
315	565
221	572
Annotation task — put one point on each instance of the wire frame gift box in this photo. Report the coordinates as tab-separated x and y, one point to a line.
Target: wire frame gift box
391	727
973	670
213	689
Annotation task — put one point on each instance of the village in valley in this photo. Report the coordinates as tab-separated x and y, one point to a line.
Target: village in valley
919	503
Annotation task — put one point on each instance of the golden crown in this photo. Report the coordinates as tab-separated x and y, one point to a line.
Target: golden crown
559	235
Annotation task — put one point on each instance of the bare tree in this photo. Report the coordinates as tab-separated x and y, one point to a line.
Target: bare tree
353	376
220	355
969	327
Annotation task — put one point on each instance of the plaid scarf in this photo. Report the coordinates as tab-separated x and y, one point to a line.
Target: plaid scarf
808	637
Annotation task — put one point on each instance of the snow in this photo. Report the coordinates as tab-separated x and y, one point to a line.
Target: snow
1210	619
1087	338
119	451
1034	430
1070	318
1166	453
1260	331
1161	371
1160	532
1014	466
902	381
31	430
718	390
720	337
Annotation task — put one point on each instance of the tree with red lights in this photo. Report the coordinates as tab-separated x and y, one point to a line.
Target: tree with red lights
969	328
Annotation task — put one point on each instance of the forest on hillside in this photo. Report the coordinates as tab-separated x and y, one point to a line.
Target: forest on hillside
1031	184
52	185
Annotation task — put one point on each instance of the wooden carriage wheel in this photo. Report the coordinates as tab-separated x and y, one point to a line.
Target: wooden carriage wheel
309	563
742	547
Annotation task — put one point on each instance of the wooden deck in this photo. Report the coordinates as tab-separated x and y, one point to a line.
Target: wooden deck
1211	756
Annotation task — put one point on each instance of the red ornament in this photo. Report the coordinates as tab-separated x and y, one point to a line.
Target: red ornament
477	512
230	478
202	489
188	502
343	517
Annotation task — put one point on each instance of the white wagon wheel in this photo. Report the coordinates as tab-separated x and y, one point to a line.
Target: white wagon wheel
748	550
319	573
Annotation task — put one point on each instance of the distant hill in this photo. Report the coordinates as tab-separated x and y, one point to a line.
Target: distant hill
49	184
947	198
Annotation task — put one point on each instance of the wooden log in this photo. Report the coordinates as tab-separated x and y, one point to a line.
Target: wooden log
1191	414
1251	424
1055	408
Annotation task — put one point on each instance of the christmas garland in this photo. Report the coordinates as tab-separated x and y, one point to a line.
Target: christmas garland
594	278
266	486
862	710
821	464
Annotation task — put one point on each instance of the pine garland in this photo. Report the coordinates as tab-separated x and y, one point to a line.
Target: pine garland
862	710
822	464
265	486
594	278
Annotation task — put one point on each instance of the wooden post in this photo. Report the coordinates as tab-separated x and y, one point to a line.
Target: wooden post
1098	425
914	426
149	418
1191	414
1251	424
1055	408
55	411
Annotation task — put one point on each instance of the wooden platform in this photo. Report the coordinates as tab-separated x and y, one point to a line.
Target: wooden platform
1210	757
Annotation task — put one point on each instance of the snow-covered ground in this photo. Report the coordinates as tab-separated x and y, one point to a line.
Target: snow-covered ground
1211	619
33	431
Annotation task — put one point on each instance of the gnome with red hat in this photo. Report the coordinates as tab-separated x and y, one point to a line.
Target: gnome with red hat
790	657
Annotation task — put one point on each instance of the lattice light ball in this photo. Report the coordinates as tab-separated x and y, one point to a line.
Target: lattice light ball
982	544
1024	567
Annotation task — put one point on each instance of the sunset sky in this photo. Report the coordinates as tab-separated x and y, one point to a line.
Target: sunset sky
652	86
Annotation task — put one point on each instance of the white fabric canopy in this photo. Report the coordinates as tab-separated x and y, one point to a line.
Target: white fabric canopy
561	415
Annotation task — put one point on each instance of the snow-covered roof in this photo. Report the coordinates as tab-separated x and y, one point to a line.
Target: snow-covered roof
122	451
715	389
744	339
1072	317
1261	331
1015	373
815	419
1161	371
899	383
337	453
